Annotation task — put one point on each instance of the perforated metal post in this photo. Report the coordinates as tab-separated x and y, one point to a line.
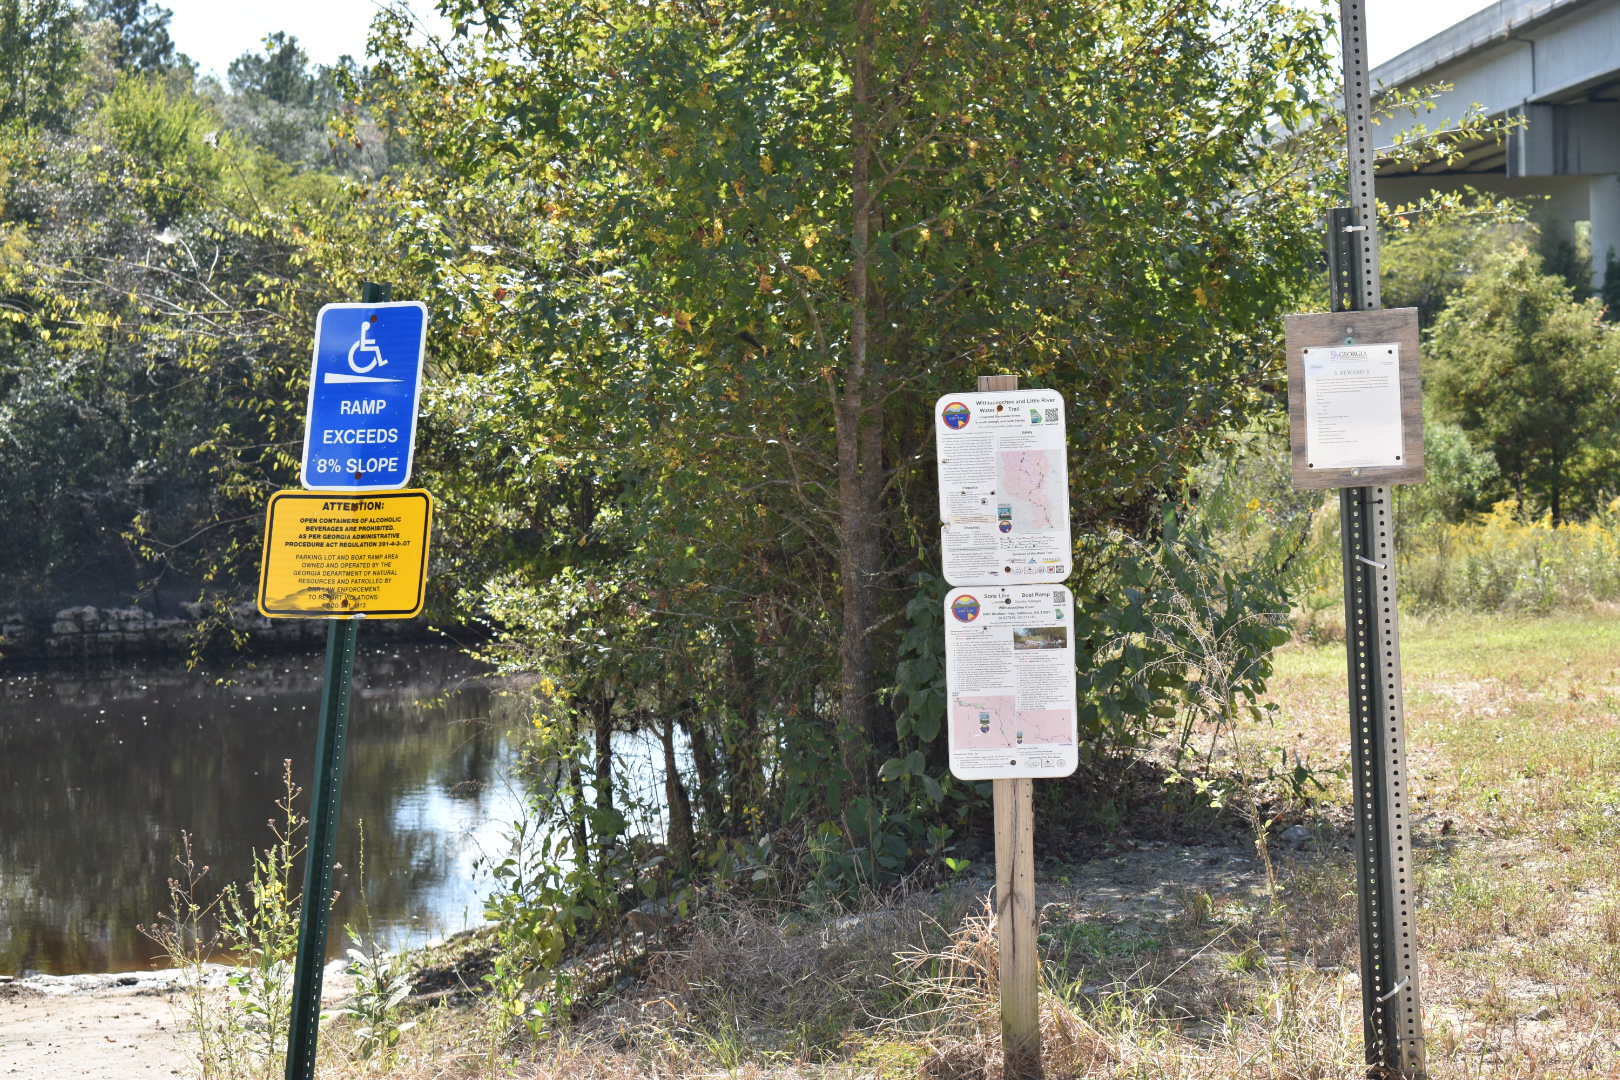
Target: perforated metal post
1392	1013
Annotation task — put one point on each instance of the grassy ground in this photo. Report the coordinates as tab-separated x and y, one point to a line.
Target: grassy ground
1514	733
1212	962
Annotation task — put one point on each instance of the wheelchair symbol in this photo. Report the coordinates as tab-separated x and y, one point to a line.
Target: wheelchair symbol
365	345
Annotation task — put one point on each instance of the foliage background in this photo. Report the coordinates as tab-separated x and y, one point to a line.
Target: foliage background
696	270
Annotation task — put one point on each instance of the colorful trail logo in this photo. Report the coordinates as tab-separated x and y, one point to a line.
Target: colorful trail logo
965	608
957	415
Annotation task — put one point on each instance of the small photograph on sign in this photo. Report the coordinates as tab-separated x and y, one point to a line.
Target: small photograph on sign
1041	637
1353	406
1010	683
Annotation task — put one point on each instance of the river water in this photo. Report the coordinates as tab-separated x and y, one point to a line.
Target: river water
100	772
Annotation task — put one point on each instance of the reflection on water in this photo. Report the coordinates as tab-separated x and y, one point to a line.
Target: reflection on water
100	773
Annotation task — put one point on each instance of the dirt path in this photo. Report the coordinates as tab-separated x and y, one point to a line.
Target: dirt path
98	1030
124	1026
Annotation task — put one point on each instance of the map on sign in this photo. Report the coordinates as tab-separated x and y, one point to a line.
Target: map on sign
338	556
1031	483
364	383
1010	681
1003	486
995	722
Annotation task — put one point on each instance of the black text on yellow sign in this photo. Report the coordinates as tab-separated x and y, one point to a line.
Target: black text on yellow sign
334	556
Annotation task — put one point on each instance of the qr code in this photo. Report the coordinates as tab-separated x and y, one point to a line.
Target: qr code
1060	597
1051	416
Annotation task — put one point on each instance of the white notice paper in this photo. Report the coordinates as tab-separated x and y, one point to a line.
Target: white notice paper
1003	486
1353	406
1010	686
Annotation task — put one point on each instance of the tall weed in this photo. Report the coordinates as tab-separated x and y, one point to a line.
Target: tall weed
241	1033
1502	561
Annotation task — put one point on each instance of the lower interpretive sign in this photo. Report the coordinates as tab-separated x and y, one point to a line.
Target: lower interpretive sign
1010	681
335	556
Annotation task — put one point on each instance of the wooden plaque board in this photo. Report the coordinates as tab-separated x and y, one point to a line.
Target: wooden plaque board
1330	330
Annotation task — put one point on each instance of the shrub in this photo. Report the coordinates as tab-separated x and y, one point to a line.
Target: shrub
1176	639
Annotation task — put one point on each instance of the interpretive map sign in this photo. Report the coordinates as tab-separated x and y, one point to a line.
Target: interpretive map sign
1010	681
338	556
364	384
1003	486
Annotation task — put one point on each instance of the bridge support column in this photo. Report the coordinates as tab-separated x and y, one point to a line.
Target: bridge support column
1604	214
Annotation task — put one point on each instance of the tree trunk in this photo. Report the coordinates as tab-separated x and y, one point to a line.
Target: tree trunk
1558	492
744	763
602	723
860	440
576	816
680	808
707	769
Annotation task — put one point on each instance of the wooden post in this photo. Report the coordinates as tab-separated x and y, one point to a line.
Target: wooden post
1015	902
1015	927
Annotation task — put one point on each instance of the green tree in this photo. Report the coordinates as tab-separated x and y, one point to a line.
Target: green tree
283	103
1533	375
39	60
745	243
1426	263
1461	479
156	293
1610	293
143	43
171	139
281	73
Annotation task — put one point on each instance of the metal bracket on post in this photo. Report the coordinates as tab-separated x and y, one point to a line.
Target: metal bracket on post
1342	234
1392	1011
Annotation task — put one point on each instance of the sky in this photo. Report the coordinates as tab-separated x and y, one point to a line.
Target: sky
1393	26
214	34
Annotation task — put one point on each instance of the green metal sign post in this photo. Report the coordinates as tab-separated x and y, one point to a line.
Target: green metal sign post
331	743
325	814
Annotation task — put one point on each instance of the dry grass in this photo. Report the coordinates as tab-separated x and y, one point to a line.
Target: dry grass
1167	963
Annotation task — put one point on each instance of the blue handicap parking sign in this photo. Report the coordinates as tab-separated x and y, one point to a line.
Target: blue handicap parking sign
364	385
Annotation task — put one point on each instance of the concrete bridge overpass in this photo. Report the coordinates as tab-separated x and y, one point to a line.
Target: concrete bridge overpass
1554	62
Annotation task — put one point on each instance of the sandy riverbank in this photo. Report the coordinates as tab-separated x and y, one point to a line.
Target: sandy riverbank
118	1026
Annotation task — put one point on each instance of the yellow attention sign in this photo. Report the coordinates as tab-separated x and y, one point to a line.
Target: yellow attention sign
334	556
